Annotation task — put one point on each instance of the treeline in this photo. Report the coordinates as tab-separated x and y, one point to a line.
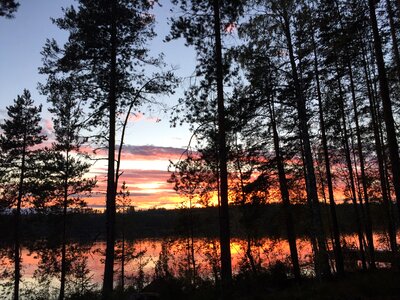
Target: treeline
293	100
161	223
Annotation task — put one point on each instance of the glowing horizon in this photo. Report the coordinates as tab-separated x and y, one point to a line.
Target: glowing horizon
145	173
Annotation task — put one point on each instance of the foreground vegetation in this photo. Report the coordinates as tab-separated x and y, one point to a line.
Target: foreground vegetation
273	284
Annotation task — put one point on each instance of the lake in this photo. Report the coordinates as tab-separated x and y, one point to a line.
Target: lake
196	259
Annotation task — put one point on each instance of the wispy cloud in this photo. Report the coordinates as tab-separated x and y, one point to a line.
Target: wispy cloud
137	117
148	189
48	128
151	152
146	152
144	170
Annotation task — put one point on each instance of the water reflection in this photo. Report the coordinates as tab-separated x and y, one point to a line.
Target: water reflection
146	259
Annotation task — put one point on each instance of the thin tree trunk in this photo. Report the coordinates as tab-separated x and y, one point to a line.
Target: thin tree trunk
123	253
192	250
317	225
111	190
395	44
380	156
368	225
226	265
351	177
398	8
64	232
332	205
248	234
285	196
17	225
312	236
384	182
386	104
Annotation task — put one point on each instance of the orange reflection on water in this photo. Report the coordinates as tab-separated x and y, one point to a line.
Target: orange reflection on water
176	256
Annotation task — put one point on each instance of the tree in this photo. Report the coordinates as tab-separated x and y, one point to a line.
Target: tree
226	267
105	58
332	204
386	104
64	166
21	134
194	180
284	11
8	8
258	114
201	23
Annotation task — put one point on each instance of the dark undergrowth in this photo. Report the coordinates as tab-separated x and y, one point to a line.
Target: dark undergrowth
378	284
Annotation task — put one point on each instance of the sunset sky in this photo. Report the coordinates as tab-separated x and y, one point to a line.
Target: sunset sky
150	142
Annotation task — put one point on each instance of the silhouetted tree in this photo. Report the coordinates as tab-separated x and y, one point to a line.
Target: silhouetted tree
64	166
8	8
105	57
201	23
386	104
196	182
21	134
259	114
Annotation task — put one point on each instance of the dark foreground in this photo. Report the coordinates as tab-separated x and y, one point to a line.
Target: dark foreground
379	284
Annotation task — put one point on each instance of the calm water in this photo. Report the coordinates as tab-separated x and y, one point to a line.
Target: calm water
145	258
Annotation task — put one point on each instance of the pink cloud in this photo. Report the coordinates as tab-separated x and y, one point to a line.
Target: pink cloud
137	117
148	188
150	152
147	152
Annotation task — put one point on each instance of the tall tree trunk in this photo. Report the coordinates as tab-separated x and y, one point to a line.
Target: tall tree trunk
311	234
383	179
332	205
380	156
368	225
285	196
317	225
398	7
386	104
351	176
123	253
395	43
226	265
111	190
192	250
249	254
64	231
17	224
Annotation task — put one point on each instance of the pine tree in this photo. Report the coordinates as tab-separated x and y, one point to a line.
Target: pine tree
256	110
64	166
8	8
105	57
201	24
21	134
386	104
285	10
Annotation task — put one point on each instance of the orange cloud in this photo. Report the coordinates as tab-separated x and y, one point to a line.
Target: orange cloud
147	188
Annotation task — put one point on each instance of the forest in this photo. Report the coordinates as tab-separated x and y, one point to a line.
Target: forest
293	108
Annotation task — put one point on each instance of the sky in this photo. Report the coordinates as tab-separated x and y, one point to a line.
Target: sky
150	141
